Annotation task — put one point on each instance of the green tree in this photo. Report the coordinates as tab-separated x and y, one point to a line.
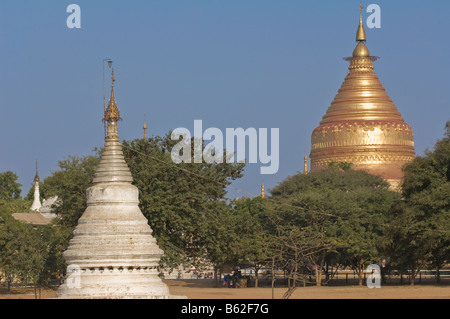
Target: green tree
252	246
182	202
22	251
55	239
334	211
70	183
219	236
419	236
17	206
9	187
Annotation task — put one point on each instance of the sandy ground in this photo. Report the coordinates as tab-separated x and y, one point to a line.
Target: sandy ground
197	291
205	289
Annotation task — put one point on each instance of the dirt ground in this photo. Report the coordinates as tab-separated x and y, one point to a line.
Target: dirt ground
199	290
205	289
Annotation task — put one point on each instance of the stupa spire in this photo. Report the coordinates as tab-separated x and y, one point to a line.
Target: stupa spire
305	164
36	177
36	200
361	33
112	166
263	194
145	129
361	49
112	113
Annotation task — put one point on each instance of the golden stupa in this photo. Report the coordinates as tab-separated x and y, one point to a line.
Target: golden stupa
362	126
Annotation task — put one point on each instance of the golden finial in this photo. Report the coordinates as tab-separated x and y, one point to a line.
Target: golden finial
361	33
145	129
263	194
36	177
361	49
113	79
305	165
112	111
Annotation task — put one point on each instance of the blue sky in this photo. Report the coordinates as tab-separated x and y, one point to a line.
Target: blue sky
233	63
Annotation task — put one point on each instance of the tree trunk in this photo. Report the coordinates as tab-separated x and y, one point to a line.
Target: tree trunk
318	276
256	277
360	275
319	271
273	278
216	277
413	276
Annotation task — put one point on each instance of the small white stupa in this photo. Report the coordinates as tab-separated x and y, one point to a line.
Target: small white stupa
113	254
36	201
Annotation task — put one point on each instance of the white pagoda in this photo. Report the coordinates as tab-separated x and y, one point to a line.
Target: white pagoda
113	254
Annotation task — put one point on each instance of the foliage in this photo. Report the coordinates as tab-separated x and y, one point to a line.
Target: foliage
70	183
252	246
23	251
333	211
17	206
184	203
9	187
419	235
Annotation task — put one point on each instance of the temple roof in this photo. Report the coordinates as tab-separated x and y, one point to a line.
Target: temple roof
34	219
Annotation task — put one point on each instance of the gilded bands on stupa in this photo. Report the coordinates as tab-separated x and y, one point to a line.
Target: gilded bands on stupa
362	125
358	133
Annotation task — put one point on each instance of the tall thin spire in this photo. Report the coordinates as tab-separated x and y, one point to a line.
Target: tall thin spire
305	165
36	200
112	113
112	166
361	49
361	33
36	177
263	194
145	129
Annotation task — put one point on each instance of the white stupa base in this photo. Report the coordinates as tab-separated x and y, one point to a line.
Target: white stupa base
115	283
113	254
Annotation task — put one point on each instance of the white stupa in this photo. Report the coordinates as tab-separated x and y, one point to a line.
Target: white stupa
113	254
36	201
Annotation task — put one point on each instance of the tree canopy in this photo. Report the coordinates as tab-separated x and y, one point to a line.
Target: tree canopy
23	250
332	211
184	203
419	236
70	183
9	187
